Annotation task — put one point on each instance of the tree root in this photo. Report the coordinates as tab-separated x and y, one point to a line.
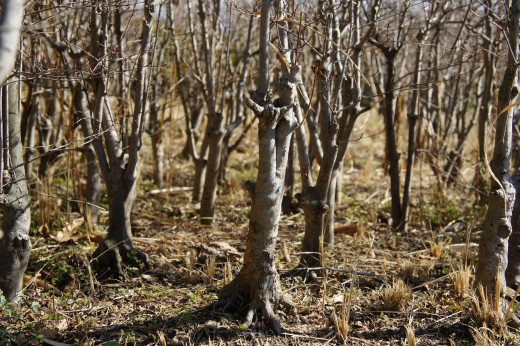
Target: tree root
246	294
110	255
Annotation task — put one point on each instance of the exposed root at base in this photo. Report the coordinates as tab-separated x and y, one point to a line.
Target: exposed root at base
110	255
252	299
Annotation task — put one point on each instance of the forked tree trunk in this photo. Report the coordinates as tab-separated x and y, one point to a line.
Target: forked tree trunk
118	164
318	201
15	245
257	285
493	247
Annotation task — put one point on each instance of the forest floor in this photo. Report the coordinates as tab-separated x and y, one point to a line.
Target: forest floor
170	304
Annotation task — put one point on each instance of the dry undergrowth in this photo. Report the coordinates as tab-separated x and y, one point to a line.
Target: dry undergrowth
395	296
461	281
410	336
363	299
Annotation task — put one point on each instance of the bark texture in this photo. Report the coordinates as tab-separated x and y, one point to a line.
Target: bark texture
15	245
257	285
117	154
493	248
10	26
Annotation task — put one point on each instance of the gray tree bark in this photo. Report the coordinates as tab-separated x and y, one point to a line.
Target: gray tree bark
512	273
493	247
93	187
118	164
257	285
486	104
10	26
15	245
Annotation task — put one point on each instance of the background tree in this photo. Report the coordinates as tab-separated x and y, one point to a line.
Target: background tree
118	158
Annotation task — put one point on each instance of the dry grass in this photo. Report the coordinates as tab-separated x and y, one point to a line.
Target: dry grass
484	336
461	281
211	270
437	248
190	259
410	336
341	322
228	272
394	297
408	270
486	311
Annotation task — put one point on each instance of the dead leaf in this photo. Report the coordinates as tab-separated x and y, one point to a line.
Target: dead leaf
348	229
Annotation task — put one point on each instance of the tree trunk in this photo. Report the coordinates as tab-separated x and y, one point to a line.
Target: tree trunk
314	211
391	140
493	247
30	134
118	163
486	107
117	247
15	245
216	136
156	132
413	116
10	25
257	285
93	188
200	170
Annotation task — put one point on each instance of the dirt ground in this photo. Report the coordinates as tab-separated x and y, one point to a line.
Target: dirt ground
170	304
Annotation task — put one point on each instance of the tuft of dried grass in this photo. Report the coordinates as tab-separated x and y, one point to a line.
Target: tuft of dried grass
228	272
484	336
485	311
189	260
395	296
211	270
436	248
161	338
410	336
341	322
461	281
408	270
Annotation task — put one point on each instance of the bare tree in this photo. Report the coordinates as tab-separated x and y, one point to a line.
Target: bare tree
118	157
339	102
493	247
257	285
15	245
